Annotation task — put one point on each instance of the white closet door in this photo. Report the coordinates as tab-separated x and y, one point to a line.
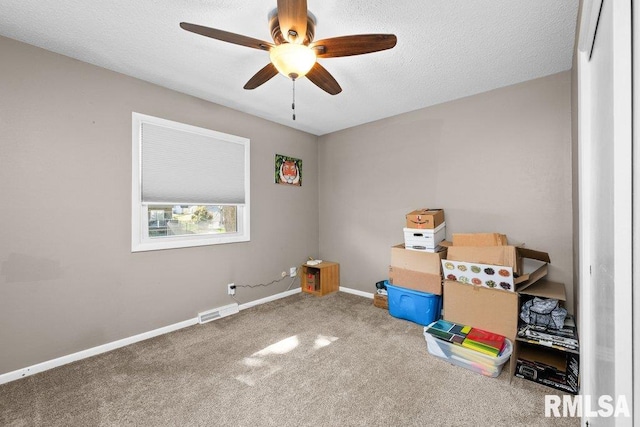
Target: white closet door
606	177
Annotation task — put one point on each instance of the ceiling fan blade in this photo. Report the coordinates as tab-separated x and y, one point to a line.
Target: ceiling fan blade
353	45
292	15
320	77
262	76
226	36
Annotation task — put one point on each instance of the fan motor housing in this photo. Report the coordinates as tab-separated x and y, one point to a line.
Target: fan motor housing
276	32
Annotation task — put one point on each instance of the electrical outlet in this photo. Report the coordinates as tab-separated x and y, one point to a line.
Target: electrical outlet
293	271
231	289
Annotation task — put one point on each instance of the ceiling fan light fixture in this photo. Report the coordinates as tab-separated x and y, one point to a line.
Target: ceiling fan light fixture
292	60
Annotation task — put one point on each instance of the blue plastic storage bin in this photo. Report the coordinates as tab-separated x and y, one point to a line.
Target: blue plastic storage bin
420	307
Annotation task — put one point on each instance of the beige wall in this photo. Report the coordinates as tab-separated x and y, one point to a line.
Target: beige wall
499	161
496	162
68	279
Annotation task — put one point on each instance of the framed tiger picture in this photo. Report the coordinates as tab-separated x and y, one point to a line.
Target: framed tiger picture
288	170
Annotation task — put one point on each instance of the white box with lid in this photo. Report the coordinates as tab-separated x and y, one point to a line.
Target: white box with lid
424	239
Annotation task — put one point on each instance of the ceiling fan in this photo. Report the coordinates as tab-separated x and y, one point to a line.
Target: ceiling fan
293	51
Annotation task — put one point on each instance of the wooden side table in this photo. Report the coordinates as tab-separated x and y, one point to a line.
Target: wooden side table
320	279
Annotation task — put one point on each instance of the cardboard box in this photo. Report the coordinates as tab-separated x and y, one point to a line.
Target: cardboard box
416	270
419	239
381	301
528	265
547	363
494	310
553	369
546	289
479	239
416	280
494	255
425	218
421	249
313	279
487	275
423	262
532	266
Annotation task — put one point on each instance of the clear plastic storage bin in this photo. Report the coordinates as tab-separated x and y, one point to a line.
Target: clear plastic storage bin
473	360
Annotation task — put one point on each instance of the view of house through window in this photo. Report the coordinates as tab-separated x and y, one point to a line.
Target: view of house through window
180	220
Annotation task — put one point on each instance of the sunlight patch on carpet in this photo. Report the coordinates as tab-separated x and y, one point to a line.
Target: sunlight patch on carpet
323	341
281	347
266	362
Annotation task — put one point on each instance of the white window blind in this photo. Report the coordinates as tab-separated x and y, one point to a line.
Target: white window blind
178	168
188	167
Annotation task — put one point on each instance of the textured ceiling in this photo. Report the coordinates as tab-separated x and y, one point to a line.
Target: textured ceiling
447	49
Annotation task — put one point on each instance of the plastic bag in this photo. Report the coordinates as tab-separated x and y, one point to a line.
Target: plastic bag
543	312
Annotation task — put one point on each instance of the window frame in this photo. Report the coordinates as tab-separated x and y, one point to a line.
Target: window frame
140	240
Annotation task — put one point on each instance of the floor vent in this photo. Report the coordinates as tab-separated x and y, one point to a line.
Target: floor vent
217	313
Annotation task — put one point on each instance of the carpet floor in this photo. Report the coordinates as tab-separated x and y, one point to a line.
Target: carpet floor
297	361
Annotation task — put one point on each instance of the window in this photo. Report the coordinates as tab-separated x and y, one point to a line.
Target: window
190	186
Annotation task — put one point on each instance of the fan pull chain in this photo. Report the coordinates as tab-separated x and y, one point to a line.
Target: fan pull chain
293	103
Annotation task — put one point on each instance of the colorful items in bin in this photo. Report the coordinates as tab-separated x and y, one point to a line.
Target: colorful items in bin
473	273
484	342
467	336
470	359
448	331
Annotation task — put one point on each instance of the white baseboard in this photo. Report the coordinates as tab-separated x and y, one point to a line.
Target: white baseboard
94	351
63	360
270	298
356	292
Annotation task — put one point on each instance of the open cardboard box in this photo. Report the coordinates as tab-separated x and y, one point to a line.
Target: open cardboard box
494	310
528	265
479	239
558	369
418	270
553	369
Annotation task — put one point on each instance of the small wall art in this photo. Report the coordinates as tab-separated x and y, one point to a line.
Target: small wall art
288	170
